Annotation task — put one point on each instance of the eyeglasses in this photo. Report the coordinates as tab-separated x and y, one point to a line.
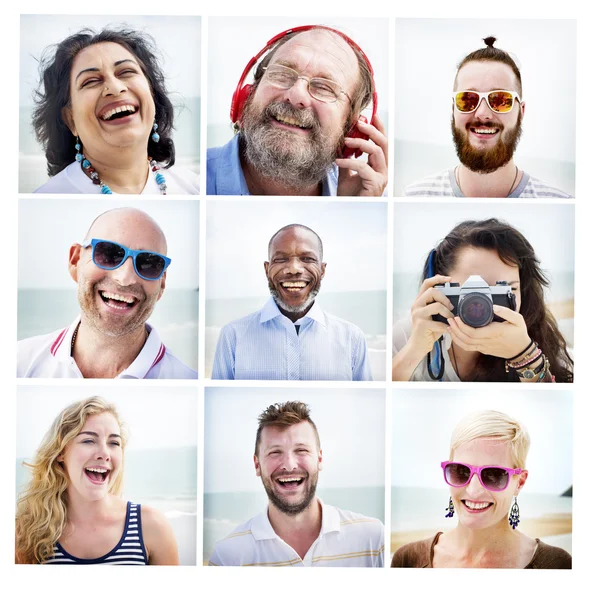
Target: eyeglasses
492	478
319	88
500	101
110	255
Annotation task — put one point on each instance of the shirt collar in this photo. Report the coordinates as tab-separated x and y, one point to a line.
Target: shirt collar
230	177
152	353
231	181
271	311
262	529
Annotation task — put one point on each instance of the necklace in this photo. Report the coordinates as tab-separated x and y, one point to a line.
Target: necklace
74	338
458	169
75	334
104	188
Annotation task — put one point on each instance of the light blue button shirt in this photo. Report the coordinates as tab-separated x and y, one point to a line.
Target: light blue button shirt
265	345
226	178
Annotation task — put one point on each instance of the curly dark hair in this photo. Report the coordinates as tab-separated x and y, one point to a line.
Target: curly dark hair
515	250
53	94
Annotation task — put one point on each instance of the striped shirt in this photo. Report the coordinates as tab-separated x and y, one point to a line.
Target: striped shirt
267	345
346	539
445	184
129	551
50	356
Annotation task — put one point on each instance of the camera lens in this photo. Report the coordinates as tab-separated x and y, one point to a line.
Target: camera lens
476	310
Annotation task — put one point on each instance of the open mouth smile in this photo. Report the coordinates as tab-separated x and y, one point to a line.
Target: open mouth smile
97	475
291	122
484	132
294	287
120	111
476	507
290	483
120	302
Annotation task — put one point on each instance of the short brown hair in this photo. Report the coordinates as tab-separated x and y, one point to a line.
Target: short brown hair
490	53
284	415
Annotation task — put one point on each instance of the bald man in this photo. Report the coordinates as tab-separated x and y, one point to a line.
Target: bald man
120	269
291	337
299	120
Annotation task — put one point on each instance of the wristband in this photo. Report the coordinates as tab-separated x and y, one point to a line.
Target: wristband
525	350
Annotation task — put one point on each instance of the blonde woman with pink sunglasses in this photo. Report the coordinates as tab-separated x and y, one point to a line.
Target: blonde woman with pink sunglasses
485	473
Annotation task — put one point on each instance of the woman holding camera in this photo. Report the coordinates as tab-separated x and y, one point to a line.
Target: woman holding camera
524	344
72	512
104	118
485	473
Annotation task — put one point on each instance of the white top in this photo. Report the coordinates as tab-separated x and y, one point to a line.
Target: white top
445	184
346	539
49	356
402	330
73	180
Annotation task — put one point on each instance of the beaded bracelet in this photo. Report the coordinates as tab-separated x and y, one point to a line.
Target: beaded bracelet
526	361
533	343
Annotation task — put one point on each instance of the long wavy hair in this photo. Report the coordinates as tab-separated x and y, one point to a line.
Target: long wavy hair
41	513
514	250
53	94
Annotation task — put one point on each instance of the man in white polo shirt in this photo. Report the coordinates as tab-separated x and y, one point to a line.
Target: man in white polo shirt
120	269
297	529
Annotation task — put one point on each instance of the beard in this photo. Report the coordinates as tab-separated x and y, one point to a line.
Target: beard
486	161
113	325
295	161
286	507
290	308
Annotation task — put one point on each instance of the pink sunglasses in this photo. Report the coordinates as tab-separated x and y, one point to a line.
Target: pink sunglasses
492	477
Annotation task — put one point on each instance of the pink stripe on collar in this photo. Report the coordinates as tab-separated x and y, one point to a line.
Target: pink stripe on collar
159	356
58	340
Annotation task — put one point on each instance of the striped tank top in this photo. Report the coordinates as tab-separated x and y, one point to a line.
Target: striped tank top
129	551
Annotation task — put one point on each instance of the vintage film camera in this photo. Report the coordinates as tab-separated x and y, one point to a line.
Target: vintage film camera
474	300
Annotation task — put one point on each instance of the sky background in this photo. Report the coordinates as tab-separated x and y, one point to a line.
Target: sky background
178	42
350	424
155	417
419	227
238	233
427	52
423	421
230	50
48	229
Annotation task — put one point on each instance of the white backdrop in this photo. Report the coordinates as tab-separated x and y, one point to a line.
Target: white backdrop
427	52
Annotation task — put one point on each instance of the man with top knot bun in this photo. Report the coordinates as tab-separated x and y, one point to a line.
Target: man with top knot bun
487	115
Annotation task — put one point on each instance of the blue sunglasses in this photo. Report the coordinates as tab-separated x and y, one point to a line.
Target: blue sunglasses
110	255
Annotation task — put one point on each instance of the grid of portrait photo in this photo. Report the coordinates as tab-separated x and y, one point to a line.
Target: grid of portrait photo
297	291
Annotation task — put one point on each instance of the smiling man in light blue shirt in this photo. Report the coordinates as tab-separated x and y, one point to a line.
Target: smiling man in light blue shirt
291	337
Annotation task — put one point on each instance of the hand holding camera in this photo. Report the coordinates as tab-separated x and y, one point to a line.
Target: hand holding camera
485	318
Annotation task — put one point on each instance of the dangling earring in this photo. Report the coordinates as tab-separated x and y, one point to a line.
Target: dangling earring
78	146
155	135
450	508
514	516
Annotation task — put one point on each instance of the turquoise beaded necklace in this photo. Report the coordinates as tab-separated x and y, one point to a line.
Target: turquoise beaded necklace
104	188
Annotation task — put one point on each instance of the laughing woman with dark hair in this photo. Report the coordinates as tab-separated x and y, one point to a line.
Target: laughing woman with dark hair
104	118
523	343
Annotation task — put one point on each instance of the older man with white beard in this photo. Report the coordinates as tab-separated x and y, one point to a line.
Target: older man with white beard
295	127
486	124
291	337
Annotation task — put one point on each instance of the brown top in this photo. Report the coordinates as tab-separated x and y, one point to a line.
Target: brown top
420	555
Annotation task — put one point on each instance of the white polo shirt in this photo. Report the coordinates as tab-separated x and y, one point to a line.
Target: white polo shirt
346	539
49	356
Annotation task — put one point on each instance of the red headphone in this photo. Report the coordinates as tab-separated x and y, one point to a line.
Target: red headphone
243	91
